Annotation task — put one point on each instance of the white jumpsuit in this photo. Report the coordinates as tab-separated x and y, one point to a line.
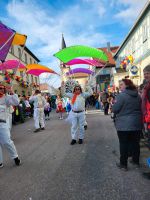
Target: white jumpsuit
5	138
38	110
78	113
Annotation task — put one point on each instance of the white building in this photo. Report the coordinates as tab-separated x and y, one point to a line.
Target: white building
137	44
26	57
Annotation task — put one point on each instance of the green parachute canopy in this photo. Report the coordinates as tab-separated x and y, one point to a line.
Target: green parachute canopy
69	53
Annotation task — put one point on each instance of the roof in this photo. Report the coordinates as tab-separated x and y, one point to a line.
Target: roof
27	50
44	86
63	43
141	15
79	75
111	61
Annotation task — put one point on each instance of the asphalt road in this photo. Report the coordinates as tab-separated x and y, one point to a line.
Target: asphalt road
52	169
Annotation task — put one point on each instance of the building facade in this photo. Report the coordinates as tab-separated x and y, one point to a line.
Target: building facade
103	79
26	57
137	45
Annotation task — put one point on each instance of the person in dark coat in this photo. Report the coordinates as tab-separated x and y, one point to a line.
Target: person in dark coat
104	100
128	122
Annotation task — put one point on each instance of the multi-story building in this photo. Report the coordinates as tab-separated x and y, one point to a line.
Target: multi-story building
136	44
26	57
104	77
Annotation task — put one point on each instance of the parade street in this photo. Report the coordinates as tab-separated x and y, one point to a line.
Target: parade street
52	169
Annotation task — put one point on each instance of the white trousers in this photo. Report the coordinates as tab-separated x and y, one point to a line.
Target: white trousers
39	118
78	120
6	141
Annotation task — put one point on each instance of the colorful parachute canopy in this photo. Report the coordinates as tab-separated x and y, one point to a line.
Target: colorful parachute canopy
36	69
79	70
69	53
6	38
36	66
11	64
37	72
19	39
78	61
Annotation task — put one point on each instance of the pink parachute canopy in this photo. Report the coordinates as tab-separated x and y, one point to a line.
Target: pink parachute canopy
11	64
79	70
37	72
77	61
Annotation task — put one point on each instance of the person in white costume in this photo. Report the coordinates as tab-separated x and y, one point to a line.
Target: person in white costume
78	111
39	103
5	140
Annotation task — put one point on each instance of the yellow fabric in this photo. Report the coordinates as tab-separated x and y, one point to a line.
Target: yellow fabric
19	39
37	66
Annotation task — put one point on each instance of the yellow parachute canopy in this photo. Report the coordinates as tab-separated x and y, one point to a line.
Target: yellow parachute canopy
19	39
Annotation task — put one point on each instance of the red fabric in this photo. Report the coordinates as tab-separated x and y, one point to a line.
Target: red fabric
74	98
147	116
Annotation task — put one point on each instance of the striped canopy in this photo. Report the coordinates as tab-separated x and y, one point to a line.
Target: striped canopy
69	53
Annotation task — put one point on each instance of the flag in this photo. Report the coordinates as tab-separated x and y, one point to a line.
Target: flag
6	38
19	39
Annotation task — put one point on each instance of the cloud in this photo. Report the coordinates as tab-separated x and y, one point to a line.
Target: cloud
129	10
44	27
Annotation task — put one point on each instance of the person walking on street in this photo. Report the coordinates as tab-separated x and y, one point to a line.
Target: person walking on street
5	140
104	100
78	111
128	122
39	103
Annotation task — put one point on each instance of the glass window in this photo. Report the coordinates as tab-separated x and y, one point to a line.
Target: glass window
32	80
30	61
12	50
36	80
19	53
25	56
133	45
144	32
21	74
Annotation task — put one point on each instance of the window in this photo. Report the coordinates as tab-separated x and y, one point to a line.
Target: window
25	56
30	61
32	80
27	77
19	53
36	81
133	45
21	74
145	32
12	50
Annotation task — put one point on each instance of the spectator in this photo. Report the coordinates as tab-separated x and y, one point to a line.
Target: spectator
128	122
47	110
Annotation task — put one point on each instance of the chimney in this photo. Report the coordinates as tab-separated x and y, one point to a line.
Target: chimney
108	47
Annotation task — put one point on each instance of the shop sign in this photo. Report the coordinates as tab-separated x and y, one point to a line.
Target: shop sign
134	70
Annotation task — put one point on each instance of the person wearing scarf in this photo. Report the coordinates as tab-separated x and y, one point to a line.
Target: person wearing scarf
78	111
5	140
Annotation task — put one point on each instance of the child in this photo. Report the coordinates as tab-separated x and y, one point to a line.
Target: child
59	104
47	110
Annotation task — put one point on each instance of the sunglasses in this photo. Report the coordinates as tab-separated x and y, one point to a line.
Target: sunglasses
77	89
